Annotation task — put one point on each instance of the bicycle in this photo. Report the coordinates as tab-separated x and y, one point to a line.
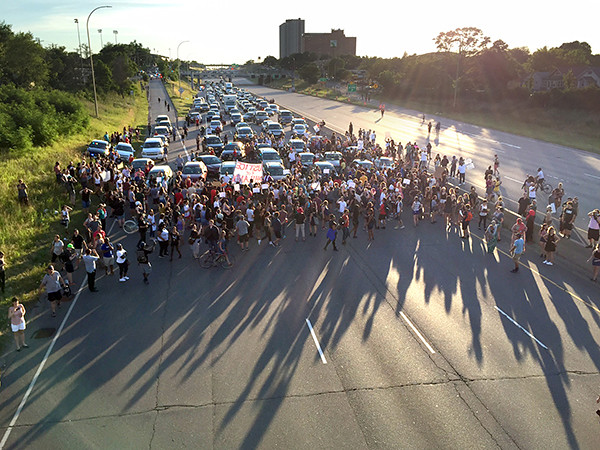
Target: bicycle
544	186
131	226
213	259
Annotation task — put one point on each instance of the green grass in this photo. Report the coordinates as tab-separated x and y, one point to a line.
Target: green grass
570	128
182	102
26	232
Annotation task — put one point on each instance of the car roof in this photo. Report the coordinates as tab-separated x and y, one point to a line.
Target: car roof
153	139
101	141
273	163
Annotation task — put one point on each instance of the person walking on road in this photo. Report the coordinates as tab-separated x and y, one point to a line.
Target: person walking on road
16	315
593	228
2	273
242	227
491	236
175	239
595	258
89	260
53	282
331	236
517	250
300	218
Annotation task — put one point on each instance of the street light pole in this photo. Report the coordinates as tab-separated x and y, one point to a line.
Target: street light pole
101	43
115	33
87	27
80	51
179	66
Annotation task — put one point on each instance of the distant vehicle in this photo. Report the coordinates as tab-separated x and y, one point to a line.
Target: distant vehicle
242	125
270	155
141	163
153	148
299	120
98	147
196	170
300	129
162	117
307	158
165	124
160	172
233	154
285	117
263	104
273	108
326	167
195	116
236	118
260	117
214	126
125	151
335	158
214	142
275	169
275	129
212	163
384	163
163	130
364	164
230	101
248	117
297	145
227	168
245	133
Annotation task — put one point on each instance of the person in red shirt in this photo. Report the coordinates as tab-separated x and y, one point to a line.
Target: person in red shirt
178	197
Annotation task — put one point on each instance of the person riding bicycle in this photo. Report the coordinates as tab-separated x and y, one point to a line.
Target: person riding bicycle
540	177
211	234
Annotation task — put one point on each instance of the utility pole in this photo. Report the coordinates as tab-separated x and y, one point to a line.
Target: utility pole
80	50
87	27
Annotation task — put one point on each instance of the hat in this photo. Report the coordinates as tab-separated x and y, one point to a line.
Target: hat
70	246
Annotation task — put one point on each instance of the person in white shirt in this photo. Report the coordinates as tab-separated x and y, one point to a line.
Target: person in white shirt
163	241
342	204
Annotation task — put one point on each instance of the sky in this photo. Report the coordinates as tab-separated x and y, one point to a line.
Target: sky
237	31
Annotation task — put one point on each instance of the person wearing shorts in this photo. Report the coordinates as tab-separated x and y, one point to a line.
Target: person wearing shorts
16	314
517	250
53	283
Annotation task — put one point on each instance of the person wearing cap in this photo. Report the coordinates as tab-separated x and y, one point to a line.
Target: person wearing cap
68	257
53	283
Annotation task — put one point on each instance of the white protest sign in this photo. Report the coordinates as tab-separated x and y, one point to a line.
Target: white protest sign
105	176
264	186
222	194
236	187
256	190
406	181
325	170
245	172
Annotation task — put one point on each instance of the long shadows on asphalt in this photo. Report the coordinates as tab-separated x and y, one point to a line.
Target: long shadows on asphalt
195	329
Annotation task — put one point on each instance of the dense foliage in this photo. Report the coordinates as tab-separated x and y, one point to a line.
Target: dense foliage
41	87
467	64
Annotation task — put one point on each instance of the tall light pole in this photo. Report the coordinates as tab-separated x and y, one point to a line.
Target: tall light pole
87	27
115	33
179	66
101	43
80	51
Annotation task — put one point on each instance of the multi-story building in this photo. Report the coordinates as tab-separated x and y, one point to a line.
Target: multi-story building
290	37
330	44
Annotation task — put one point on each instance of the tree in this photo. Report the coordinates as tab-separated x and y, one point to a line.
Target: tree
468	41
569	81
334	65
270	61
310	72
23	61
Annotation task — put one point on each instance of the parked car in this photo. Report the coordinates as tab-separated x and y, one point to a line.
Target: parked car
285	117
236	118
270	155
214	142
364	164
307	158
335	158
196	170
227	168
125	150
297	145
260	117
214	126
275	129
326	167
98	147
153	148
141	163
300	129
245	134
160	173
275	169
384	163
212	163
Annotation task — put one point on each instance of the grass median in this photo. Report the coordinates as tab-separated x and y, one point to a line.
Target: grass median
182	102
26	231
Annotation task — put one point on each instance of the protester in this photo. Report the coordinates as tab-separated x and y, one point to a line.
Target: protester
16	315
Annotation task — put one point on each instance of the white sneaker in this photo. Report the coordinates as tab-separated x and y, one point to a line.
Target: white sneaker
270	243
126	278
549	263
259	241
122	279
545	262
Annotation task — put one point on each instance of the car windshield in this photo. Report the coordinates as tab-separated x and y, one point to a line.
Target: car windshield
98	145
307	158
269	156
227	169
274	126
297	145
211	160
192	170
332	157
275	170
245	130
213	140
152	144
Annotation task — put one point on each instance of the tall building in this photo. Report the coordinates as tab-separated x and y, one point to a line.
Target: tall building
290	37
330	44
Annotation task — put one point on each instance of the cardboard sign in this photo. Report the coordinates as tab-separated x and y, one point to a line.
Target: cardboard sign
256	190
236	187
325	170
264	186
222	194
245	172
406	181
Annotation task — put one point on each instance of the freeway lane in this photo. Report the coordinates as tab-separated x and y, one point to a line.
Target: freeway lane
578	170
222	359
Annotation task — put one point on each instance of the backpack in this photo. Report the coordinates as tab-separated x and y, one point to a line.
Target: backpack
469	216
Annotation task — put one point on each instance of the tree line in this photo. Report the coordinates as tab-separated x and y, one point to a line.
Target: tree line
41	88
466	67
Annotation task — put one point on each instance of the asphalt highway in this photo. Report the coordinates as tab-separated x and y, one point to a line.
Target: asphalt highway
579	171
416	340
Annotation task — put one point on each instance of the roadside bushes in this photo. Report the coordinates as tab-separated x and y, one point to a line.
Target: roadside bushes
37	117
